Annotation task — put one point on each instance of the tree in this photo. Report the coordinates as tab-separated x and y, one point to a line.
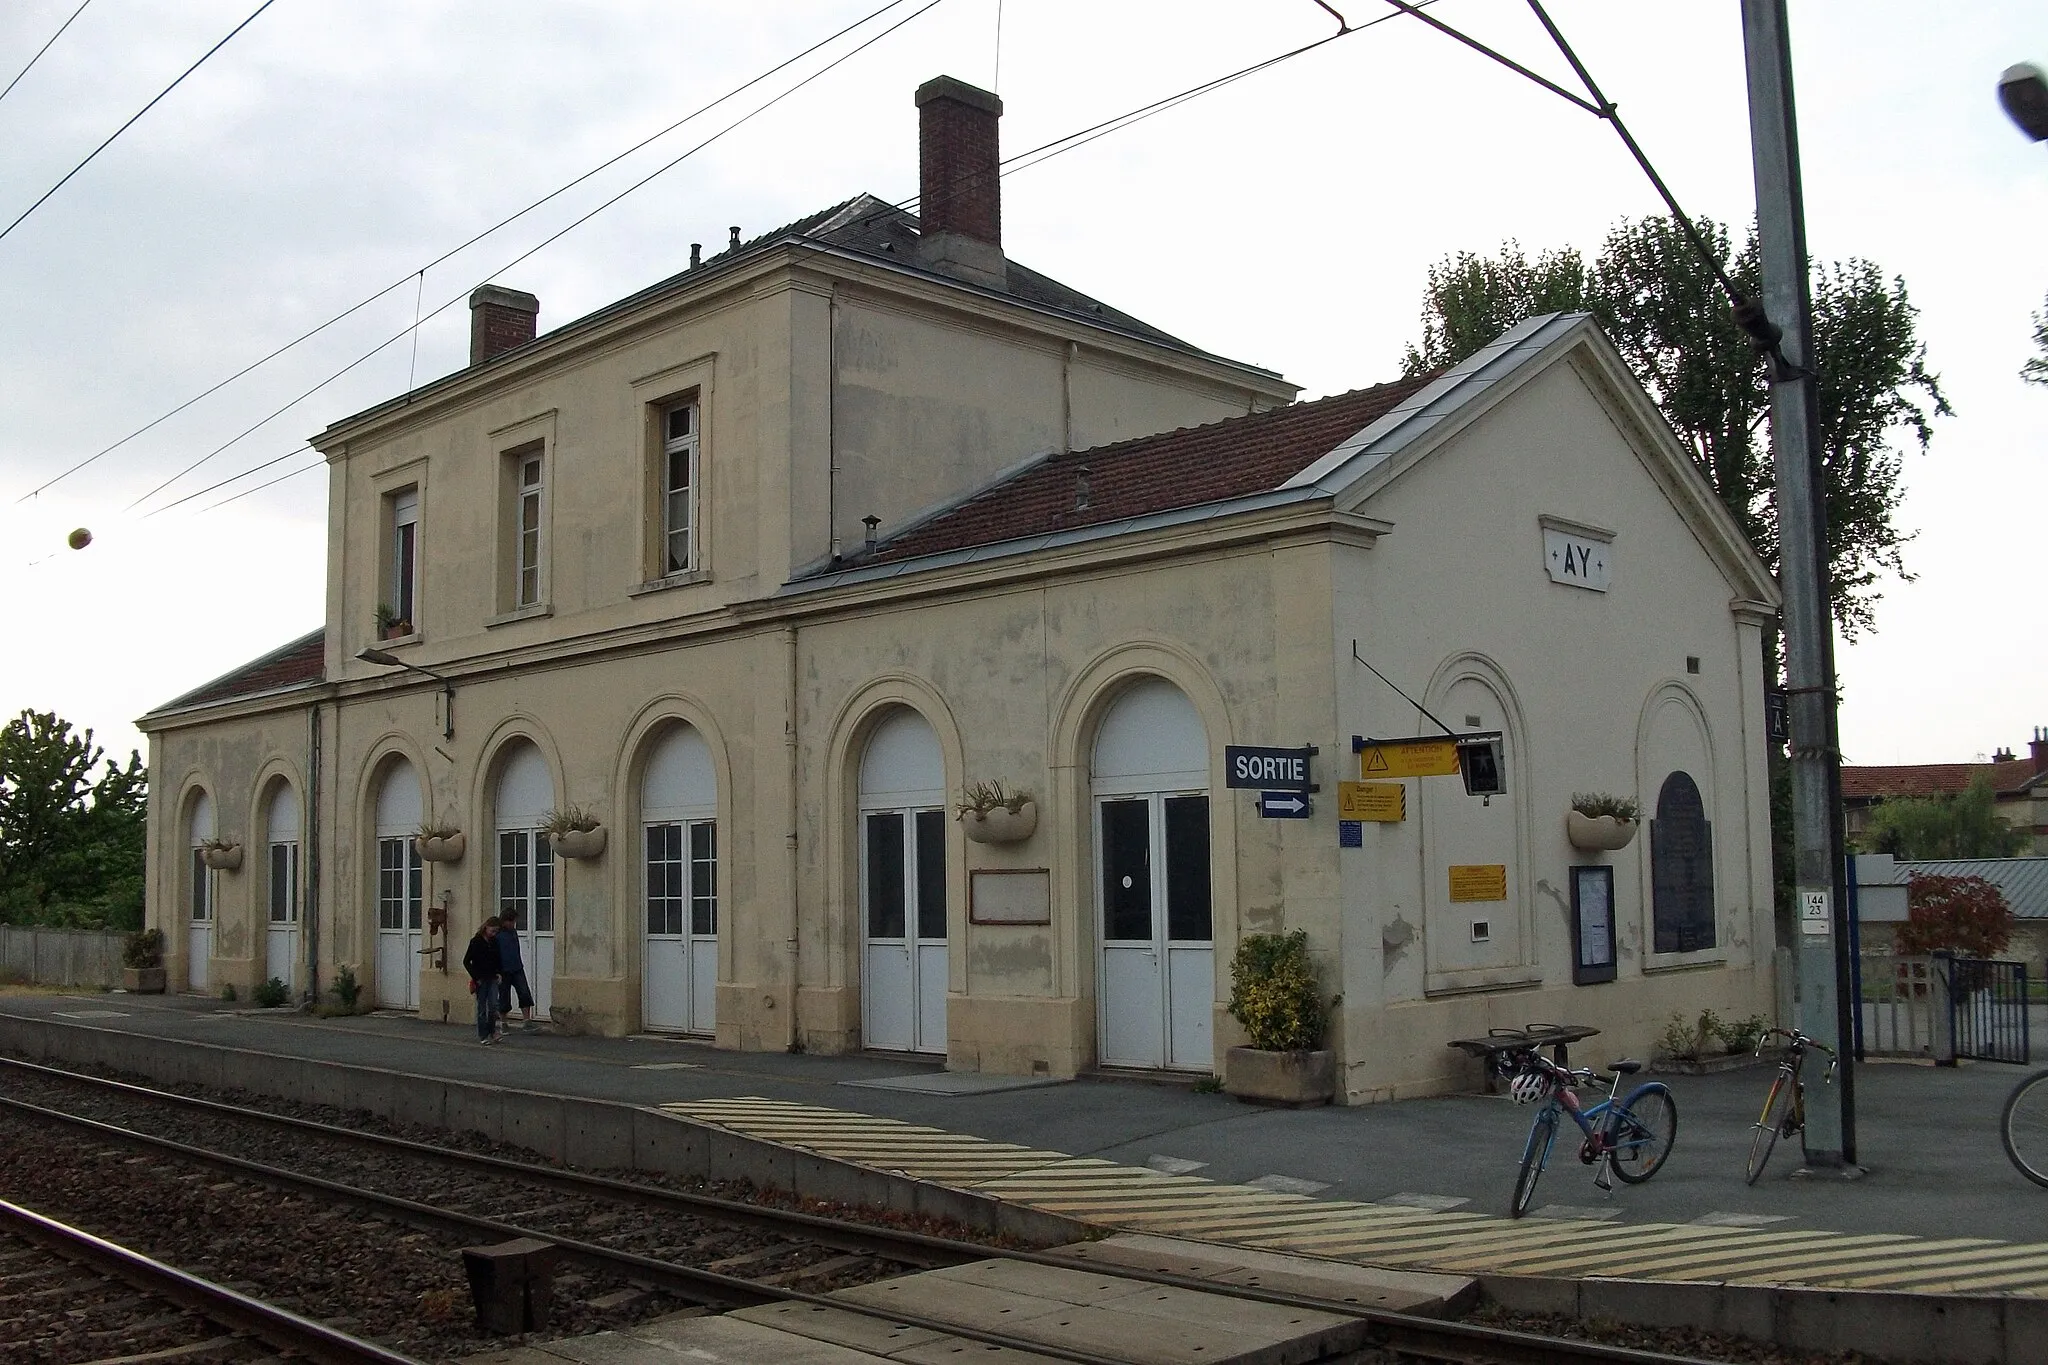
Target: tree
72	849
1966	915
1964	826
2035	371
1665	311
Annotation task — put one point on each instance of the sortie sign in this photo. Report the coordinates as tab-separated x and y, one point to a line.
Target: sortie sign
1246	765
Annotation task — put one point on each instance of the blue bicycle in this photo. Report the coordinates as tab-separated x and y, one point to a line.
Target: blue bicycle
1630	1136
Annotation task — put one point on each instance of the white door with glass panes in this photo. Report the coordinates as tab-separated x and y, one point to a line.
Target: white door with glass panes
1156	983
281	869
679	857
199	897
400	887
526	865
904	968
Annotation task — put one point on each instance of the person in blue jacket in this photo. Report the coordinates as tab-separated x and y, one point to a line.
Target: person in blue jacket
514	975
485	966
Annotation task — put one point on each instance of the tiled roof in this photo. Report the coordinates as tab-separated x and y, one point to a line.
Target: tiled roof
1935	779
1182	468
302	661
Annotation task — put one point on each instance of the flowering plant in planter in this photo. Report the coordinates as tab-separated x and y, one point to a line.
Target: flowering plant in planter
390	625
991	814
574	831
142	962
440	843
1598	821
1274	994
224	855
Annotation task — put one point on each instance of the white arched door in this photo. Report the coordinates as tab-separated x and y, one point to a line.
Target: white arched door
903	887
281	932
1156	986
199	896
526	864
400	886
679	854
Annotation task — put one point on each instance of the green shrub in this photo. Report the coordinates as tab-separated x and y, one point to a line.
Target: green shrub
1595	804
273	993
347	990
143	949
1273	993
227	991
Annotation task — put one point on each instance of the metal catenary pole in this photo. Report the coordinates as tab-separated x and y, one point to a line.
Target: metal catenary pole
1803	575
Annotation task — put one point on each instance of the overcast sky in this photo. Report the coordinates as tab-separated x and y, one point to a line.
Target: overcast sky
337	146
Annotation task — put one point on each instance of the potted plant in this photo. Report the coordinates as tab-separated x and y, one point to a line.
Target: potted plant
1599	822
142	962
992	815
440	843
222	855
390	625
1273	993
574	831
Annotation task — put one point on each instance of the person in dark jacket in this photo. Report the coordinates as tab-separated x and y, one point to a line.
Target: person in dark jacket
513	977
484	966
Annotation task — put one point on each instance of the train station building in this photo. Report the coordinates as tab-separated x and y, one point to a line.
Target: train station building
763	569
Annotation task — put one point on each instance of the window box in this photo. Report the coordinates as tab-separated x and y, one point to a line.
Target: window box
1598	833
580	843
221	855
442	848
1000	825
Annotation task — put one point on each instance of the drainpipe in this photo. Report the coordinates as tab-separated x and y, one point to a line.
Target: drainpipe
311	915
1067	398
832	426
789	745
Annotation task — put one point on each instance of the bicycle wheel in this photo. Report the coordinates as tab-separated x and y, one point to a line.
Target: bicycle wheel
1541	1134
1643	1127
1767	1126
2023	1127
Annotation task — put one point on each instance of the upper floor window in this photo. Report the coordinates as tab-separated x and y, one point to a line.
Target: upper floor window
532	487
678	488
402	586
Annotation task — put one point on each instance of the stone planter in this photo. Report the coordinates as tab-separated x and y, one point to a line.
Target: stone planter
580	843
142	980
1598	833
222	859
1001	825
446	848
1295	1080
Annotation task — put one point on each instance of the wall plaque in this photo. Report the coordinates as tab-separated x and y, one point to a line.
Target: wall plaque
1020	895
1479	881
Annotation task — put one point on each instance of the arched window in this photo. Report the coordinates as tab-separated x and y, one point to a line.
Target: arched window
1681	869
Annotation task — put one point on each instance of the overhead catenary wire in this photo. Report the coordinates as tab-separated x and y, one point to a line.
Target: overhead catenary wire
134	119
41	50
464	245
1024	160
539	246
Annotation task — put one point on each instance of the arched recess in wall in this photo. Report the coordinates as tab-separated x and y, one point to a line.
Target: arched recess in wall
1677	779
853	728
197	887
1071	815
518	859
1490	939
278	860
395	807
905	905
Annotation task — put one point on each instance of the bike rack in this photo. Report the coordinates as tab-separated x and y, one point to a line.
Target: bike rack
1529	1037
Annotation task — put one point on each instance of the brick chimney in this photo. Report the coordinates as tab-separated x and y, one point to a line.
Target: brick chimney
2038	746
960	207
499	320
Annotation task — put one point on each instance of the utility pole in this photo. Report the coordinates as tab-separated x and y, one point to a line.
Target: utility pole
1822	951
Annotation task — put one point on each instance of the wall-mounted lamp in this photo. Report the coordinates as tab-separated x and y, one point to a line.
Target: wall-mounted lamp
390	660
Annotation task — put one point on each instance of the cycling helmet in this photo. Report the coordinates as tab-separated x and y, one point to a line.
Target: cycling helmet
1529	1086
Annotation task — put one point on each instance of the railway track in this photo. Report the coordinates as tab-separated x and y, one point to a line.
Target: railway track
677	1248
70	1297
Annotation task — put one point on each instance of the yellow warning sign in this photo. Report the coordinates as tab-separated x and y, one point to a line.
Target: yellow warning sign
1383	801
1479	881
1421	758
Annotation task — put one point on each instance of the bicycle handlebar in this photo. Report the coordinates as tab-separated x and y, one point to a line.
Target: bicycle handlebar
1799	1041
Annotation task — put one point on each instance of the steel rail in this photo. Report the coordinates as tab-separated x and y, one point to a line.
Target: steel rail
1395	1331
276	1327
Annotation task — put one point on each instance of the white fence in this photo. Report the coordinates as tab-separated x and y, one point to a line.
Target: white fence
60	957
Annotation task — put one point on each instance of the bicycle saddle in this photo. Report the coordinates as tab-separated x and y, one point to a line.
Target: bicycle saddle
1625	1067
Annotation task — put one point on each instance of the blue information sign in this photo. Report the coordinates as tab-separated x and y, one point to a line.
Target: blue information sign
1285	806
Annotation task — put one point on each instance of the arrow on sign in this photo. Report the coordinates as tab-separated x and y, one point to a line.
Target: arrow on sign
1284	806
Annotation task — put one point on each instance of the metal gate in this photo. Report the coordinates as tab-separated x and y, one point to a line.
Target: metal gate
1987	1007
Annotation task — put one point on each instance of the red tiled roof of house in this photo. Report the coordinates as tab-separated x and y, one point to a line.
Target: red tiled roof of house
1934	779
304	660
1181	468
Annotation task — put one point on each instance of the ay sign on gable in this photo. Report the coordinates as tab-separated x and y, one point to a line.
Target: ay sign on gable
1575	558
